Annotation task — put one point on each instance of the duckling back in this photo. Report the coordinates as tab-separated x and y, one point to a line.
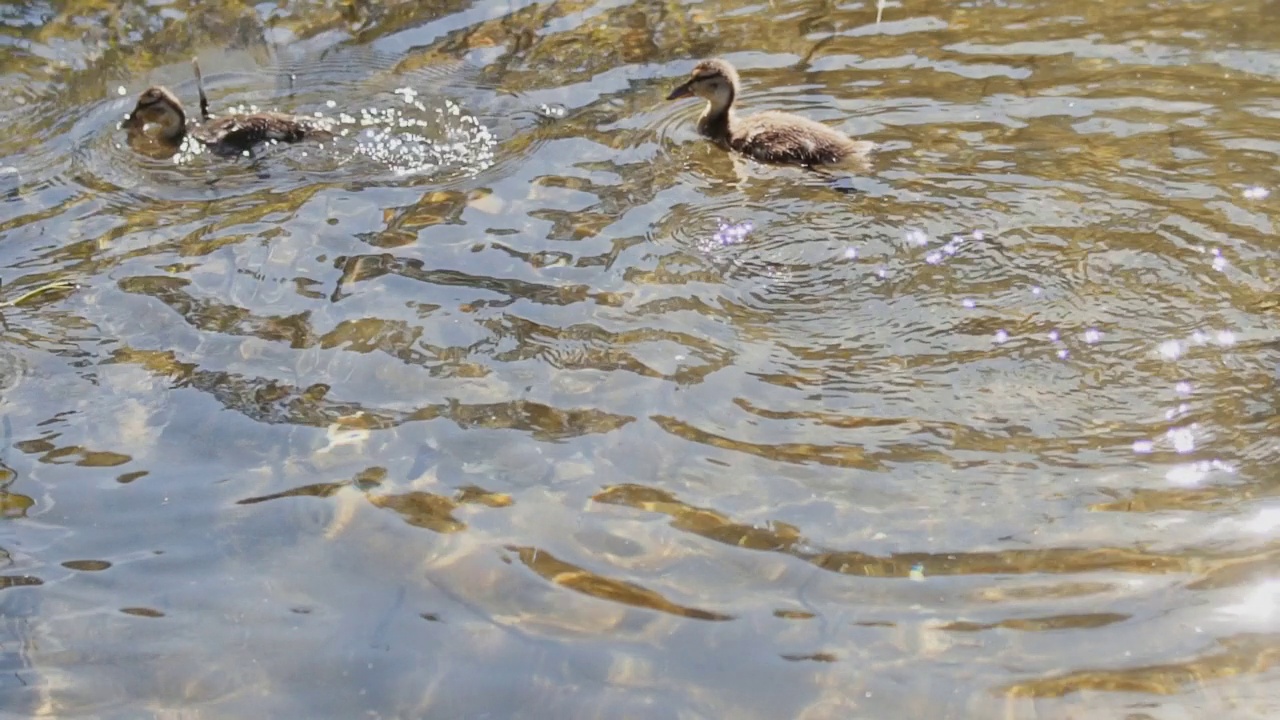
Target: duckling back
777	137
238	133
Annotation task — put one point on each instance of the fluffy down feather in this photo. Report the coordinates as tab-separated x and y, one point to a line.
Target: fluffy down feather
773	137
236	133
778	137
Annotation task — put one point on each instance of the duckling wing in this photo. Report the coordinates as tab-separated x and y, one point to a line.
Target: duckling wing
779	137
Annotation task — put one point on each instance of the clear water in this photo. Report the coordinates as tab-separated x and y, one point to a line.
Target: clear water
548	408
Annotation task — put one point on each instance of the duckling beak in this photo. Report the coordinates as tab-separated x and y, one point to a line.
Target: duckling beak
683	91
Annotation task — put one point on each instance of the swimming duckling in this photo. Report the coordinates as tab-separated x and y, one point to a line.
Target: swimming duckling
233	134
772	137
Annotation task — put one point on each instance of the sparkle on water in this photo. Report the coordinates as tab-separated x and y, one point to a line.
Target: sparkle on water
1182	439
732	233
555	112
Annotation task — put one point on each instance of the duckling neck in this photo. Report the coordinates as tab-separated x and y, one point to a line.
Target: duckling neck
717	119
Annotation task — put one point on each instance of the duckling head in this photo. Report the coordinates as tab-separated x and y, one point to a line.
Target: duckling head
161	109
712	80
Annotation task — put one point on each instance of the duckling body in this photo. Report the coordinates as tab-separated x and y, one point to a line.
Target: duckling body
771	137
159	115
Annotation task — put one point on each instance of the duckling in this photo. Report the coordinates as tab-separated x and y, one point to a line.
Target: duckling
157	106
771	137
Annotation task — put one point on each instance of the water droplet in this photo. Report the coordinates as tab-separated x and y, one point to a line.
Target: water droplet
121	91
1182	439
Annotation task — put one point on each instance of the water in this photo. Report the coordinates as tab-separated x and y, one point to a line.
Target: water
582	417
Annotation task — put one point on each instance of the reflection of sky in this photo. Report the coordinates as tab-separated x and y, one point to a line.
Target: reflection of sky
1267	521
1258	603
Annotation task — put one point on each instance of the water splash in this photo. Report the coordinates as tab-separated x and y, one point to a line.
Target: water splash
409	144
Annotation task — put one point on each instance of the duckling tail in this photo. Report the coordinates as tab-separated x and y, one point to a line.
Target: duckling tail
204	101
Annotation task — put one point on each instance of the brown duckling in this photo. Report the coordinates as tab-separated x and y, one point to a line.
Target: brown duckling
772	137
232	134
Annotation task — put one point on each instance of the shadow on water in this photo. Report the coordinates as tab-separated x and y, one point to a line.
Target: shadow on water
521	399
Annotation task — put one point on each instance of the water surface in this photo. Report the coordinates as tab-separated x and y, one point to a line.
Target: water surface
592	420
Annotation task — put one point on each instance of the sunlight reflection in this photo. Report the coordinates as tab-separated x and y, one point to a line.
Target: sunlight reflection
1260	603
